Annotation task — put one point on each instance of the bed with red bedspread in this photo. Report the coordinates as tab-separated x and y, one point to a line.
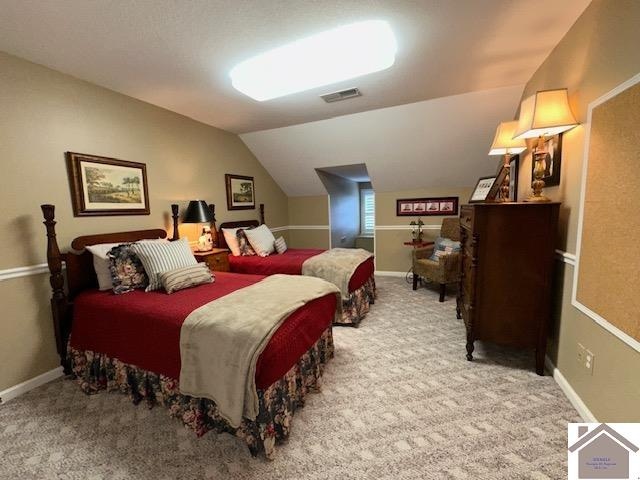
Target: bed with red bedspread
131	342
362	289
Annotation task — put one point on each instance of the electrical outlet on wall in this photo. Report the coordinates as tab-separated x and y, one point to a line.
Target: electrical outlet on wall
588	361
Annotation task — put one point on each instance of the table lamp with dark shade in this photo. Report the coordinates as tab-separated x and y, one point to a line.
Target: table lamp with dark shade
198	212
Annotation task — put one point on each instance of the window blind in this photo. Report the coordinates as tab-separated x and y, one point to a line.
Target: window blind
367	212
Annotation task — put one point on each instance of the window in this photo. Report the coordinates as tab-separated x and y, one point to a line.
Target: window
367	211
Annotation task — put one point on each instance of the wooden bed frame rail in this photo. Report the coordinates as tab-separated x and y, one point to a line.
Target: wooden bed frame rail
80	274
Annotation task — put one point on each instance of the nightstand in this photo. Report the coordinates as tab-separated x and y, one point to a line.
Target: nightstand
217	259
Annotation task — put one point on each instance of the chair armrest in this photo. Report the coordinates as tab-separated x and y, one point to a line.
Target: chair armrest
423	252
450	264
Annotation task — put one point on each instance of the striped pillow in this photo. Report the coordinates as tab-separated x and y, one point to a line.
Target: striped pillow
157	257
186	277
281	245
262	240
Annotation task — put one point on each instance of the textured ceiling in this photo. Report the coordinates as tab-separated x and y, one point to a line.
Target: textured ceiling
177	54
437	142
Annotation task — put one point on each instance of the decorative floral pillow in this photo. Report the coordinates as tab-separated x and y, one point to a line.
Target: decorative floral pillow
243	242
127	272
444	246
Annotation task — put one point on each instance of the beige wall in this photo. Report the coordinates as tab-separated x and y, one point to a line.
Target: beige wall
391	253
598	53
44	113
309	211
391	231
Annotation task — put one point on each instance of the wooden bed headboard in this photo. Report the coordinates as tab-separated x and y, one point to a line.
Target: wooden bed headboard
222	243
80	273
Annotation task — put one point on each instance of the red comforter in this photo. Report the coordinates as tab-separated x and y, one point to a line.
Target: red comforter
290	262
143	328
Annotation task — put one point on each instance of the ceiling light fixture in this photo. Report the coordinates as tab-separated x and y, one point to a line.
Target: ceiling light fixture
333	56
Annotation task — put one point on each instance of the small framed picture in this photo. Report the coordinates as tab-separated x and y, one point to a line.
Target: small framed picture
553	147
241	193
446	207
482	190
103	186
427	206
419	207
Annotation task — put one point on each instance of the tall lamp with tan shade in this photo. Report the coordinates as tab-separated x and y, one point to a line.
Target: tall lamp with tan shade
505	144
545	114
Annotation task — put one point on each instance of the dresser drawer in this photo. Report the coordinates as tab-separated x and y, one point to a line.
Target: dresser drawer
216	259
466	217
218	262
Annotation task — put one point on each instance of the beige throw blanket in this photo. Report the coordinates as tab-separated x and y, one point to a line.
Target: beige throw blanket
221	341
336	266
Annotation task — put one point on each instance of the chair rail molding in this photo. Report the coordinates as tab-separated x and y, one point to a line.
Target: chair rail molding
406	227
17	272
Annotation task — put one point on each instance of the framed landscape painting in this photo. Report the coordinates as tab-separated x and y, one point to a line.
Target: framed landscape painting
241	194
107	186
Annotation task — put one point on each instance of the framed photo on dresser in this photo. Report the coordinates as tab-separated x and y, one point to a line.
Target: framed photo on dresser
482	189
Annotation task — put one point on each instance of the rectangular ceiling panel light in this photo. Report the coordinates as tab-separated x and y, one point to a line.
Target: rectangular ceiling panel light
322	59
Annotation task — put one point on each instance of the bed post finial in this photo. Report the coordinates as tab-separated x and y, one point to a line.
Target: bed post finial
174	216
261	213
59	304
214	230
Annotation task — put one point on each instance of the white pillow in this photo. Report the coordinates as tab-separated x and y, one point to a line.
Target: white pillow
101	263
262	240
158	257
281	245
232	240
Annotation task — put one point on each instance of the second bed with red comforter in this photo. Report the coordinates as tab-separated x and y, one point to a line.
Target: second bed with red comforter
361	285
132	342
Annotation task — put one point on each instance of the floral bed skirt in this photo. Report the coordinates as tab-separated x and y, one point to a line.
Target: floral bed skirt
357	306
278	403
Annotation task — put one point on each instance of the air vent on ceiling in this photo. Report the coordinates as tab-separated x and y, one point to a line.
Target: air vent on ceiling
341	95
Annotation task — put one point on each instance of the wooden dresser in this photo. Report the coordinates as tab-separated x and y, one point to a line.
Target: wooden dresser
507	271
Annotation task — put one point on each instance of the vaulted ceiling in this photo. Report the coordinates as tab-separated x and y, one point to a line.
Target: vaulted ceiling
426	121
177	54
436	142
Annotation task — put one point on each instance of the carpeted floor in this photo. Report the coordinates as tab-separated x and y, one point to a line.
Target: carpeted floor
399	401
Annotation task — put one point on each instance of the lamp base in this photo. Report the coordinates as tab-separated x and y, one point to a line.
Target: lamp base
537	199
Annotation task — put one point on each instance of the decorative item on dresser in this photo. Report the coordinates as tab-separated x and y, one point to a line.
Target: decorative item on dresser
504	144
504	295
542	115
217	259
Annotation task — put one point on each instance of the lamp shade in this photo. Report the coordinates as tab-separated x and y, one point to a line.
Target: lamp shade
504	143
198	212
546	113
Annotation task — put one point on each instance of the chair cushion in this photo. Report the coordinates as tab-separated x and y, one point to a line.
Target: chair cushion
444	246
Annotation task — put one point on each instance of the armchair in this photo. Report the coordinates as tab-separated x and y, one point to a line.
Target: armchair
447	268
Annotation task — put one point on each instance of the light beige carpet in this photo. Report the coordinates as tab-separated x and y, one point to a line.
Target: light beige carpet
399	402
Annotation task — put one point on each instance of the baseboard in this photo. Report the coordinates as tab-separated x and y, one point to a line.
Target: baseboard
569	392
17	390
386	273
